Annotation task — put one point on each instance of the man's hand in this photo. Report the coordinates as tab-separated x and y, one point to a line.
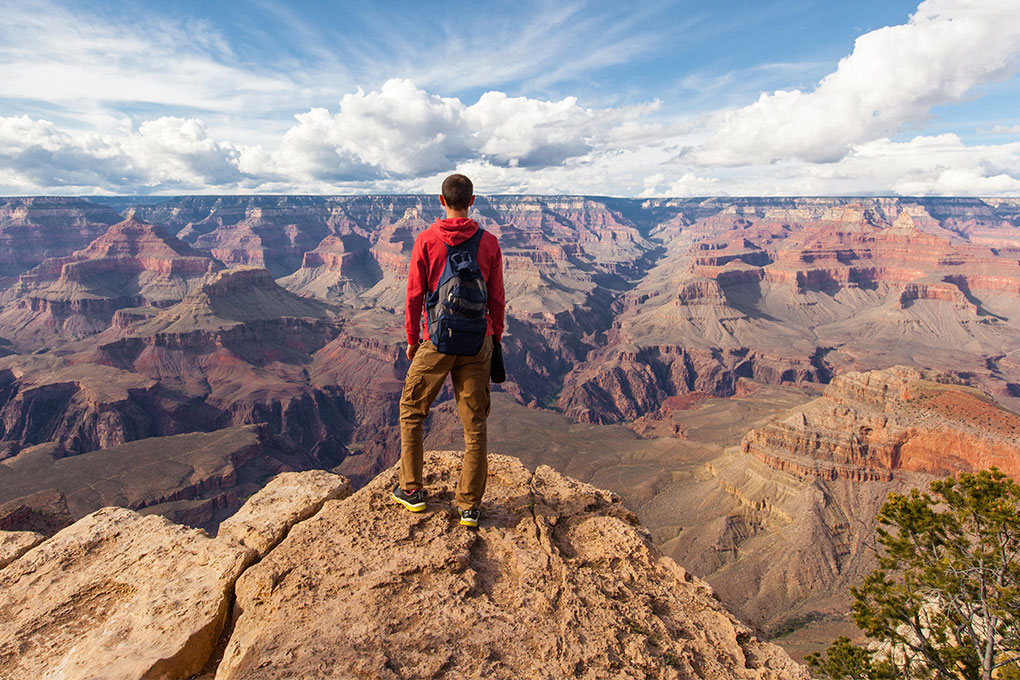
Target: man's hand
411	349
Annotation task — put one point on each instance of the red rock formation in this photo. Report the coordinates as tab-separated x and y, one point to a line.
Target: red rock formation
866	426
34	229
897	255
808	287
133	264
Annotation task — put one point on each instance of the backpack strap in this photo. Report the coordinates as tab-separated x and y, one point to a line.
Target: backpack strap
471	245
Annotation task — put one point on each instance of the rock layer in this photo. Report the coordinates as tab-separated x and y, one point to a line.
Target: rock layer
35	228
289	498
133	264
196	479
868	425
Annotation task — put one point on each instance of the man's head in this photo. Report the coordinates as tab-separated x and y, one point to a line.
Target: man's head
458	192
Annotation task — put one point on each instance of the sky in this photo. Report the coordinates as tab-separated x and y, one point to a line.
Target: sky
650	99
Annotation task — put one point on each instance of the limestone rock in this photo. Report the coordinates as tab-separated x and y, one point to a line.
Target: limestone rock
559	581
14	544
116	595
289	498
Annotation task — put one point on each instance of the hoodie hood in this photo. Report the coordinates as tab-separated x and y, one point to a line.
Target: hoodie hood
455	230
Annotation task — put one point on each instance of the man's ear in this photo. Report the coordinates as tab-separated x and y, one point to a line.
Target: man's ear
442	200
471	202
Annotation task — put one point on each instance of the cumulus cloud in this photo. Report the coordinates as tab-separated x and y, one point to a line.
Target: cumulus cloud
383	138
688	184
164	153
941	165
894	77
404	131
927	165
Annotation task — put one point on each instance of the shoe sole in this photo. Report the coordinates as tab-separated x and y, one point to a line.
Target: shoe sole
468	523
413	507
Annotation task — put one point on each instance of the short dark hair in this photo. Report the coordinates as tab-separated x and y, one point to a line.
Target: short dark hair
458	190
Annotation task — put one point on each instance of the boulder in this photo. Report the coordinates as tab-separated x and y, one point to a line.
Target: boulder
117	595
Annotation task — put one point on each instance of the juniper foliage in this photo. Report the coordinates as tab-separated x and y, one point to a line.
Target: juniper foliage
944	602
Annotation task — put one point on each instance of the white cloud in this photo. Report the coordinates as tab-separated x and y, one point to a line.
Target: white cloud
1000	130
518	131
894	77
179	151
164	153
688	184
403	131
939	165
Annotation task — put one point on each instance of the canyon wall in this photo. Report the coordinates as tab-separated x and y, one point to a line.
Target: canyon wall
191	316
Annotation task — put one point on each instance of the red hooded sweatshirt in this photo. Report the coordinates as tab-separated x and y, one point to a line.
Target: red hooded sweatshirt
427	259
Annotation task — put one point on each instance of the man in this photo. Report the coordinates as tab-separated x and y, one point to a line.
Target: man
429	366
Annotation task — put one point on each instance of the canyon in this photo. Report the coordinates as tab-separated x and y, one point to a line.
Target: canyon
752	376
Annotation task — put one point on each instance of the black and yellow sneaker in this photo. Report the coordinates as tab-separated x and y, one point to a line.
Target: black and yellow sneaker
412	500
469	518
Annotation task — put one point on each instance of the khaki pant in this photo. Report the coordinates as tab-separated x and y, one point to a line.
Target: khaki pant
425	378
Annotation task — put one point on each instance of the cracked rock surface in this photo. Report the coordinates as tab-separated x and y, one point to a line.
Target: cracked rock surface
287	499
116	595
558	582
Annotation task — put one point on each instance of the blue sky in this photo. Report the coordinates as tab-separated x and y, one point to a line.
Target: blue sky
792	97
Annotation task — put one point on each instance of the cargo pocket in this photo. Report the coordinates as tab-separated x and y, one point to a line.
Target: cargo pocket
415	388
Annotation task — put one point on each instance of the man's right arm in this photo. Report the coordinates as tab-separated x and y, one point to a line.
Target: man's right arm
417	282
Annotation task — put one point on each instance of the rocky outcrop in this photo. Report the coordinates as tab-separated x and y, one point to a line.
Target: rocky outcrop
559	581
83	407
119	595
866	426
43	512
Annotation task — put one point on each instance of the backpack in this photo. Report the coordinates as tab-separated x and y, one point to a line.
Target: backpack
455	310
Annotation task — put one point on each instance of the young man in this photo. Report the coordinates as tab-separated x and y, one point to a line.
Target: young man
429	367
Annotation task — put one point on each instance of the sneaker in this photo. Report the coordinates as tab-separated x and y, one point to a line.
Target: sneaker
412	500
469	518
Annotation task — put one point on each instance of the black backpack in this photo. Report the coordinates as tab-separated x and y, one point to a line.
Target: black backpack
455	310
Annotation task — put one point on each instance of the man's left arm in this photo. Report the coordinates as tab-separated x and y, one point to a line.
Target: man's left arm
496	294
